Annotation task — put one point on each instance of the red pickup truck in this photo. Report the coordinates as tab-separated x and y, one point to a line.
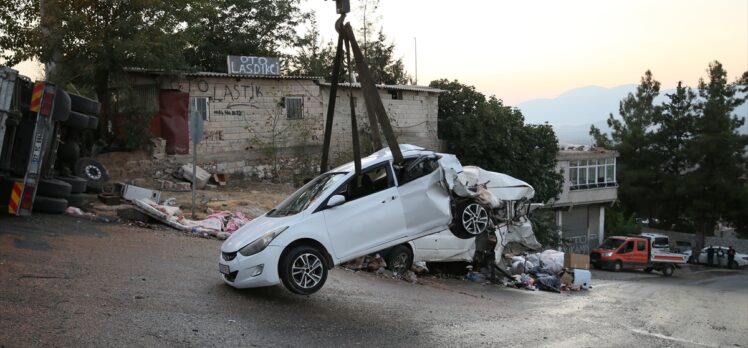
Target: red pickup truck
634	252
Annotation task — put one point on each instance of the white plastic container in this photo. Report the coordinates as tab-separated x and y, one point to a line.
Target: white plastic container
582	277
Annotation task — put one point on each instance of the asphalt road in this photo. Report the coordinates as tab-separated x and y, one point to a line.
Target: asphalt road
69	282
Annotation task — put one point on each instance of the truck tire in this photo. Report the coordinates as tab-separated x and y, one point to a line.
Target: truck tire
470	220
93	171
77	184
93	122
76	120
54	188
75	200
50	205
61	110
618	266
668	270
84	105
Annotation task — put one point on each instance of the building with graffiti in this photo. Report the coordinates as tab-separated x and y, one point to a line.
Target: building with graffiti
264	125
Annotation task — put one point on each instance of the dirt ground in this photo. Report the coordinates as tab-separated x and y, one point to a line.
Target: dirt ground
72	282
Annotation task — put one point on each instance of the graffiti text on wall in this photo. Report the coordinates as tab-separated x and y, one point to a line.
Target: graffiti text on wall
221	91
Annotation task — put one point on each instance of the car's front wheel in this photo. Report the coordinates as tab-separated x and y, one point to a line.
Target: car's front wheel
470	220
303	270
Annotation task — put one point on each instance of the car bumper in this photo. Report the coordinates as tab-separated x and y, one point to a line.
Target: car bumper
605	264
253	271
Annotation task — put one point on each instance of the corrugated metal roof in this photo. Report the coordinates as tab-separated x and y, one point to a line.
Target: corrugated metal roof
411	88
219	74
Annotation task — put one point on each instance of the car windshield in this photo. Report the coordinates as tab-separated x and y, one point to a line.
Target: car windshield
611	243
306	195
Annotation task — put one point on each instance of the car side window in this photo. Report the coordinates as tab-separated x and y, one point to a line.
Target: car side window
370	181
628	247
640	245
415	168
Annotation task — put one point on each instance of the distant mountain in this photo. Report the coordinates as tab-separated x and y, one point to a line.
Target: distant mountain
572	112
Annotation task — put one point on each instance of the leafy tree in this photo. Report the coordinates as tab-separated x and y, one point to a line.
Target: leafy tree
240	27
493	136
675	129
456	100
718	152
379	54
632	137
313	57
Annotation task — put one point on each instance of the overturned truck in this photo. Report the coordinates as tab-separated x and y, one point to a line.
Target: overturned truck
341	215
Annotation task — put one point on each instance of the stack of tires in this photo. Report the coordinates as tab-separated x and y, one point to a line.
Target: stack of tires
83	174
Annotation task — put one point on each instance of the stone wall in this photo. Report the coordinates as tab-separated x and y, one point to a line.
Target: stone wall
248	132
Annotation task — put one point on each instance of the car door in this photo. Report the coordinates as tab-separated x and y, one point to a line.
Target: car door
625	252
426	204
370	217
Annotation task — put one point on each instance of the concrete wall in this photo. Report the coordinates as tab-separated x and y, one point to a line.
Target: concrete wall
248	124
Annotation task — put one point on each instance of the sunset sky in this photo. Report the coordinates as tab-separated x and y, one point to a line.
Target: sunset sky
521	50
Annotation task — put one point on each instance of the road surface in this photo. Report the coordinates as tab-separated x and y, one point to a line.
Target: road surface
71	282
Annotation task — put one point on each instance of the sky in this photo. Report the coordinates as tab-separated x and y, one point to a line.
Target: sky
522	50
532	49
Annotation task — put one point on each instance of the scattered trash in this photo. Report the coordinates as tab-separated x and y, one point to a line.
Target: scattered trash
216	223
132	192
221	179
201	175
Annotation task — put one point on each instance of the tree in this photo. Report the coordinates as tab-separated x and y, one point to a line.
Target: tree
456	100
313	57
675	129
488	134
379	54
632	137
240	27
718	153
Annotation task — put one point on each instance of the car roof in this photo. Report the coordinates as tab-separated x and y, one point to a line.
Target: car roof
384	155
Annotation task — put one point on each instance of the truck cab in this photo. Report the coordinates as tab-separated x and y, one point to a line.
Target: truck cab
633	252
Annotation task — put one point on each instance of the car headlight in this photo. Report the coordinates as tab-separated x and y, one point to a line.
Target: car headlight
608	254
261	243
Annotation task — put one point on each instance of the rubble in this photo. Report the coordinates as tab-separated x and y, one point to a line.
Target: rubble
201	175
219	224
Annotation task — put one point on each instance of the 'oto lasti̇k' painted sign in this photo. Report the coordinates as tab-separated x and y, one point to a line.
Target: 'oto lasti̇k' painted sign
249	65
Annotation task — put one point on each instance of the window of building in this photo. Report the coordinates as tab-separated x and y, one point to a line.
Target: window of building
588	174
200	104
294	107
396	95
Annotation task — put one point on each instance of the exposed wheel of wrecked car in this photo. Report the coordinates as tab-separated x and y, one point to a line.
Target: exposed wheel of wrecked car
400	259
302	270
470	220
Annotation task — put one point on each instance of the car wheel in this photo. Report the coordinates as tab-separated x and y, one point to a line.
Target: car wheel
61	110
470	220
302	270
399	259
668	270
618	266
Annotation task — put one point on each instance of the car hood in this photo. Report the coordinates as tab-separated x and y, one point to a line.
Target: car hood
255	228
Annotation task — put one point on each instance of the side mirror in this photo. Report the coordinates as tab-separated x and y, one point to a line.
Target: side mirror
335	201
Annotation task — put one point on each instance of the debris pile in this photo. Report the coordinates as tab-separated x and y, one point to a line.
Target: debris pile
219	224
548	271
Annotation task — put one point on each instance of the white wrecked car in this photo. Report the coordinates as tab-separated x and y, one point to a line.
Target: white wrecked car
339	216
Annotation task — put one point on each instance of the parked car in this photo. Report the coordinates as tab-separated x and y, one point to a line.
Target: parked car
339	216
741	259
